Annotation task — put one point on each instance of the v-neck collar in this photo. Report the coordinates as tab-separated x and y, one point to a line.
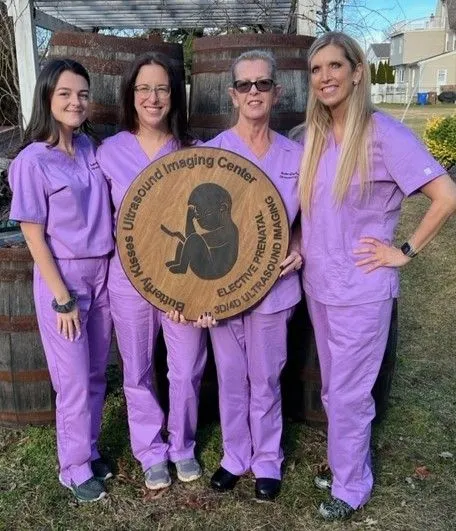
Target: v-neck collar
259	161
146	159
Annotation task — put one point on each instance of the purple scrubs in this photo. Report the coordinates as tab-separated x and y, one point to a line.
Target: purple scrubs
137	324
351	310
71	199
250	349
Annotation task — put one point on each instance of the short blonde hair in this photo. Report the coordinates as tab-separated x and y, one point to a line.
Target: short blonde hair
255	55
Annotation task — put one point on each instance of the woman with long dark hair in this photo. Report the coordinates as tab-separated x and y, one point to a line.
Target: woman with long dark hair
62	202
357	167
153	123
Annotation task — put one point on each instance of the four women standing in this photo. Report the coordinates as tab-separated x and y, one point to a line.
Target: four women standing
358	164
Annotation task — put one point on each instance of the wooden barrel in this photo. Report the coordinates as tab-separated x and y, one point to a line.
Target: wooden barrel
26	395
301	381
210	105
106	58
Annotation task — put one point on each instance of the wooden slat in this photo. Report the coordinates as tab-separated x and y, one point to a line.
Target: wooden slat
37	375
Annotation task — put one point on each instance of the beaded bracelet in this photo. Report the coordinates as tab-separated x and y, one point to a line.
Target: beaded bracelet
67	307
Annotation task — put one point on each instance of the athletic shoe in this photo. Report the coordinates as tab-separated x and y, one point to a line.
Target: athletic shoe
91	490
188	469
101	470
157	476
335	509
323	482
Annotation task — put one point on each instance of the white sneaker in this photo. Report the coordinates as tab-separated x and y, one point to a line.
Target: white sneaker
157	476
188	469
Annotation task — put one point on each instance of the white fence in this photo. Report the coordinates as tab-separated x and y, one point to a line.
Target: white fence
399	93
389	93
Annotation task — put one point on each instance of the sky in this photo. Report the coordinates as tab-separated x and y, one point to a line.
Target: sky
368	19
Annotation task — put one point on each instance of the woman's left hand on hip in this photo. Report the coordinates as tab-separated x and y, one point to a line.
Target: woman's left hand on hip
379	254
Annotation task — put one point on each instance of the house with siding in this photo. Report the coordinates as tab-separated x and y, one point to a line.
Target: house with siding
423	52
378	51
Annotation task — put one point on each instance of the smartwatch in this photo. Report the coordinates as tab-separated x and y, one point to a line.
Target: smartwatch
408	249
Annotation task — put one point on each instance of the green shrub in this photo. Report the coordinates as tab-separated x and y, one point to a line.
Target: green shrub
440	138
381	73
373	73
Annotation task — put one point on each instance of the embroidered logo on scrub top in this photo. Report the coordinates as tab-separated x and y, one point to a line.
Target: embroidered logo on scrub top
427	171
289	175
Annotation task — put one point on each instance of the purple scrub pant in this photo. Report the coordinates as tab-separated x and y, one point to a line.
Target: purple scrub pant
77	368
250	351
137	324
351	343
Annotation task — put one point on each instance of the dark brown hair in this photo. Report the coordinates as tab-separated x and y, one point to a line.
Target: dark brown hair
43	127
177	116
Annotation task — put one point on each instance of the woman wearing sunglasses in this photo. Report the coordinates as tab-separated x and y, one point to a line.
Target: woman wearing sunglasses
250	349
153	123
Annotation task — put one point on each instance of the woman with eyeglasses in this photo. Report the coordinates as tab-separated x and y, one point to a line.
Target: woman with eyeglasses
153	123
357	167
250	349
62	202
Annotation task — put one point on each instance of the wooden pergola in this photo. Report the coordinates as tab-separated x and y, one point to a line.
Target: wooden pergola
93	15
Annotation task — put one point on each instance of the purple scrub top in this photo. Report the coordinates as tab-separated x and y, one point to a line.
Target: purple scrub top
69	196
121	158
281	164
401	166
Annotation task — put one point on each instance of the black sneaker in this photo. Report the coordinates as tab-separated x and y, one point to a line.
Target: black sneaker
335	509
91	490
101	469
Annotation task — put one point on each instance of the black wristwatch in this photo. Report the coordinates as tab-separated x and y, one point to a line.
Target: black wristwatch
408	249
67	307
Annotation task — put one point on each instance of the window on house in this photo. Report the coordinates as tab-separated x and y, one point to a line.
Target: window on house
400	46
400	74
442	75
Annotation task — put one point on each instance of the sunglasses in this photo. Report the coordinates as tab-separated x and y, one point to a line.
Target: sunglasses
262	85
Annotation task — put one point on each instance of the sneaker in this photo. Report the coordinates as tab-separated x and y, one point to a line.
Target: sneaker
101	470
335	509
157	476
188	469
91	490
323	482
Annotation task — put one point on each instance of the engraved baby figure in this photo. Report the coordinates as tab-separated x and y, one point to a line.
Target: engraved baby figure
213	253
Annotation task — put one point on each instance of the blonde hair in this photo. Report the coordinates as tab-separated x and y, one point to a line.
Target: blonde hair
355	149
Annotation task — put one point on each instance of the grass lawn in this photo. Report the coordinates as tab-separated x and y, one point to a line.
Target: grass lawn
417	115
414	447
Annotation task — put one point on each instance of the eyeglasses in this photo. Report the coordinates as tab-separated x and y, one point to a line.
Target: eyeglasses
263	85
161	91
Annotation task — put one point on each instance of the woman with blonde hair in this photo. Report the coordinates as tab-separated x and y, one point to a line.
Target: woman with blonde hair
358	165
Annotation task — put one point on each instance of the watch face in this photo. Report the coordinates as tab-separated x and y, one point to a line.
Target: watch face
406	248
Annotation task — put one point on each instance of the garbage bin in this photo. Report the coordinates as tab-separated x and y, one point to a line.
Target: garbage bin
432	97
421	98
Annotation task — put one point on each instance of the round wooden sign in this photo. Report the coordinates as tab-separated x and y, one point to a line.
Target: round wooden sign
202	229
